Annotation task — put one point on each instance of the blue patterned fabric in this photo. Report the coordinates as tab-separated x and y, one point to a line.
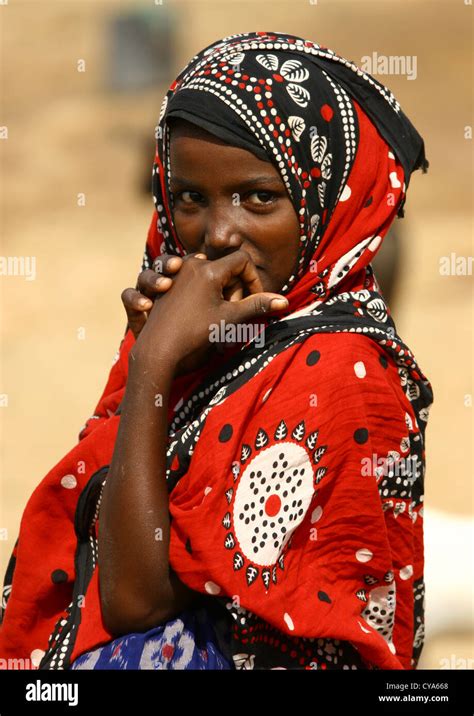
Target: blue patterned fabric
187	642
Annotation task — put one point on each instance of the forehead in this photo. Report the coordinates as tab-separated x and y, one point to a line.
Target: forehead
194	151
182	128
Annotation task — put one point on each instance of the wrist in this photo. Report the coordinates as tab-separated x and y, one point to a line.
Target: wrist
151	366
148	384
147	389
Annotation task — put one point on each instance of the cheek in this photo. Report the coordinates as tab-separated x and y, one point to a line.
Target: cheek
188	228
282	242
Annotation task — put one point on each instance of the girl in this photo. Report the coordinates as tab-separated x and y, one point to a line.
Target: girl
256	504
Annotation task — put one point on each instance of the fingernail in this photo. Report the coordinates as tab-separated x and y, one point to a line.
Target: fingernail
279	303
143	301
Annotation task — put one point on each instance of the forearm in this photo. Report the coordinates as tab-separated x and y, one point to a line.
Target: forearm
172	601
134	521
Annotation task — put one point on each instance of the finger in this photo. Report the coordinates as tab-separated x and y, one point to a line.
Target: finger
234	292
248	276
136	322
150	283
136	307
237	265
258	304
167	263
153	281
133	300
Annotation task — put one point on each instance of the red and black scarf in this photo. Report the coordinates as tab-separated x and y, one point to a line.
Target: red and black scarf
296	470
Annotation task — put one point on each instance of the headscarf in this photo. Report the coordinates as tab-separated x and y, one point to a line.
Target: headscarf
296	470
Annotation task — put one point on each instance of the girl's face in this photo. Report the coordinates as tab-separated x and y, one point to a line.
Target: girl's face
225	198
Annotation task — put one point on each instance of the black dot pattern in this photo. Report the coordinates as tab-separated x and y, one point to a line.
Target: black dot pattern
361	435
380	610
59	576
225	433
271	500
313	358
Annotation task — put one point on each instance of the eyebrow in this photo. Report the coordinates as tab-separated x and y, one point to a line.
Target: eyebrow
260	180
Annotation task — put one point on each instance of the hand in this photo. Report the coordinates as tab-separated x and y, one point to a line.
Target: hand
150	285
177	332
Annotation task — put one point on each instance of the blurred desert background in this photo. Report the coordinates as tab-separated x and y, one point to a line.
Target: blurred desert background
81	88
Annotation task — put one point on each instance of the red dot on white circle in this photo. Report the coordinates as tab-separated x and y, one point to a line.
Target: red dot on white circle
272	505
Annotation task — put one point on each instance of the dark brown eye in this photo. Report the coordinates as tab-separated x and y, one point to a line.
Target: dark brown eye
260	198
188	197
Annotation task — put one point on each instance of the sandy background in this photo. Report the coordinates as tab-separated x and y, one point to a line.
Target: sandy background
72	132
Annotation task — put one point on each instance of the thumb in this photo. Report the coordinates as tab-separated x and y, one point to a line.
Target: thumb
258	304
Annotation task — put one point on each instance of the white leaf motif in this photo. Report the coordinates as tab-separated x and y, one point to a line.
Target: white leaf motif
318	147
164	104
311	439
218	396
281	431
314	224
298	94
235	59
244	661
298	432
270	62
326	166
376	309
363	295
403	376
297	126
319	453
322	192
413	391
293	71
424	413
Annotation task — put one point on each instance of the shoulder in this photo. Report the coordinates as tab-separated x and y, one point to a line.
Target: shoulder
340	372
345	344
341	354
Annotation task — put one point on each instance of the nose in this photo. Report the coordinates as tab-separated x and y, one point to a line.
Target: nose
221	233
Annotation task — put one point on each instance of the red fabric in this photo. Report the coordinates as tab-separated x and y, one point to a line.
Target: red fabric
322	588
315	594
